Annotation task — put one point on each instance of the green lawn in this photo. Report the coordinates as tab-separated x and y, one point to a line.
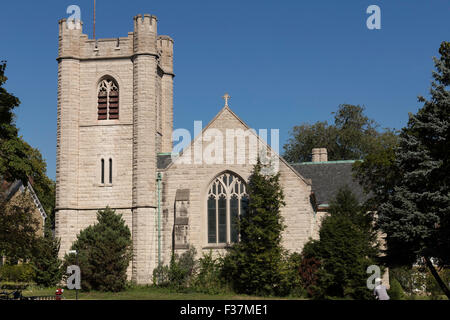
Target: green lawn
153	293
139	293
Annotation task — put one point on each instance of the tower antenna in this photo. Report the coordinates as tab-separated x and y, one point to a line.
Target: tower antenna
94	19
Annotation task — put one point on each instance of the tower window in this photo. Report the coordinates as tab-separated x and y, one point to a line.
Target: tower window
110	170
103	171
108	100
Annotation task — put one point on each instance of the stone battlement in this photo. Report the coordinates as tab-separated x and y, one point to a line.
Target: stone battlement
147	20
107	48
74	44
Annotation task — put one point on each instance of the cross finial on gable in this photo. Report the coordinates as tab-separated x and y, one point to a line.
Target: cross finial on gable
226	97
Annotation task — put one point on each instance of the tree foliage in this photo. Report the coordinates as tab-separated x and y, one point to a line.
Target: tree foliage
18	160
378	173
104	252
416	216
347	246
257	264
18	228
8	103
308	271
351	136
45	262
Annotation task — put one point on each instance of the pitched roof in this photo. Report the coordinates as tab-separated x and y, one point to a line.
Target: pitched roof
226	109
9	189
328	177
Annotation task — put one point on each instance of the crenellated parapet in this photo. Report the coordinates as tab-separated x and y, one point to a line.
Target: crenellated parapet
70	33
165	50
107	48
142	41
145	33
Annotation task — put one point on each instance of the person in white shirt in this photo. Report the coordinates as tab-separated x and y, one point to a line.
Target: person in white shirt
380	290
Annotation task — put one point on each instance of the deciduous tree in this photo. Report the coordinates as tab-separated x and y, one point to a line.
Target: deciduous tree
352	136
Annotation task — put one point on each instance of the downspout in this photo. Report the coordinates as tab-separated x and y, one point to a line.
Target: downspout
158	179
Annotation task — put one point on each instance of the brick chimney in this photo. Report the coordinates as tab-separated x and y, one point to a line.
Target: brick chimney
319	155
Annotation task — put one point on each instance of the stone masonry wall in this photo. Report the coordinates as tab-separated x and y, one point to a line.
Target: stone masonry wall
135	62
197	178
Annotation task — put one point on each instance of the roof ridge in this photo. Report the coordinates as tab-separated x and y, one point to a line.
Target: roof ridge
325	162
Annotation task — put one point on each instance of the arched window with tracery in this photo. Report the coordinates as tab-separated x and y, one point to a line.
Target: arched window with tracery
108	99
227	200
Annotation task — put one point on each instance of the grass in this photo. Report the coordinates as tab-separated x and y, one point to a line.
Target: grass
155	293
141	293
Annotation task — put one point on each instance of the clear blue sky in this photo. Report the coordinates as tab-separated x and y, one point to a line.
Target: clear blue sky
283	62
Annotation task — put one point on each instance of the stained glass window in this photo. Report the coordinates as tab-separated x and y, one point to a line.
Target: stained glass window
227	200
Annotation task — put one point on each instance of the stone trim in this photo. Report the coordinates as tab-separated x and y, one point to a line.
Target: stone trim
131	57
104	124
181	246
96	209
216	246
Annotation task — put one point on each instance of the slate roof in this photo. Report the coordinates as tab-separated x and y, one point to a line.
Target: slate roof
328	177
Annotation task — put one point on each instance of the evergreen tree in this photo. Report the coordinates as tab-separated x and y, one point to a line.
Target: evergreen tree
256	264
46	264
104	253
416	217
344	251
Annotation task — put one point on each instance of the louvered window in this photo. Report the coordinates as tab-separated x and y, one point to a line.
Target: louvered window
108	100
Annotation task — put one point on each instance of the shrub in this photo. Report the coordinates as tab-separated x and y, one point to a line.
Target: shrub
345	249
182	269
412	279
396	291
179	274
104	252
405	276
161	276
292	281
208	277
308	272
432	287
17	273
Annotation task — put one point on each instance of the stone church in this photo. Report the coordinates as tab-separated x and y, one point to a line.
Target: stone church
114	148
